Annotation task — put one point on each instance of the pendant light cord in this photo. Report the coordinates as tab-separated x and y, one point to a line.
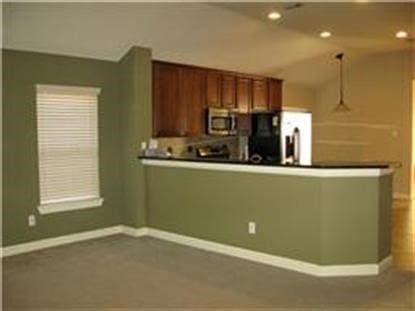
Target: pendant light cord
340	58
341	81
341	107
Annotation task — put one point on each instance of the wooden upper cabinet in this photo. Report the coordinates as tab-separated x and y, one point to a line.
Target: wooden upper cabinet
179	96
259	94
274	94
228	91
169	115
182	92
192	97
243	94
213	89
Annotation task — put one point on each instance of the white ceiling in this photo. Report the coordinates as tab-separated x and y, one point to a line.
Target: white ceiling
234	36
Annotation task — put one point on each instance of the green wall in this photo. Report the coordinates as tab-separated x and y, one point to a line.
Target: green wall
135	101
349	223
325	221
21	72
124	121
320	220
385	216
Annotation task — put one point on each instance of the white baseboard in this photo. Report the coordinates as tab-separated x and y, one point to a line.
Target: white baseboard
385	264
134	232
276	261
61	240
71	238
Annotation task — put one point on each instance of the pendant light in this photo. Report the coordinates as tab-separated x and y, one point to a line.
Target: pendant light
341	107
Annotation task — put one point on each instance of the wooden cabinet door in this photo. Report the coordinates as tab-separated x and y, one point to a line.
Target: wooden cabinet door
213	89
192	96
259	95
274	94
243	94
180	94
228	91
169	115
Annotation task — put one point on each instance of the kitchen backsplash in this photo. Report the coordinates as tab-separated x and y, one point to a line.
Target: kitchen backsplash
186	146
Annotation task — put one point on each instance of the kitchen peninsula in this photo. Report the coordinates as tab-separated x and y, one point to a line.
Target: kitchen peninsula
322	219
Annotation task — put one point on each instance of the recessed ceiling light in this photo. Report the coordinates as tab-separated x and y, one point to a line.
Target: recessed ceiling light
325	34
401	34
274	15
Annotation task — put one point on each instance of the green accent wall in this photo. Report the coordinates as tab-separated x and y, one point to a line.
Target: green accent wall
135	104
385	216
21	72
325	221
349	222
124	121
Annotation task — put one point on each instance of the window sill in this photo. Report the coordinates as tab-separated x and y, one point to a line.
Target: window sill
65	206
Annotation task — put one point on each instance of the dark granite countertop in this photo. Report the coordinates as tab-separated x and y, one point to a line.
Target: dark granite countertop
322	165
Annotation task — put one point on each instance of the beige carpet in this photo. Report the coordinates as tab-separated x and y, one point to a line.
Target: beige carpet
122	273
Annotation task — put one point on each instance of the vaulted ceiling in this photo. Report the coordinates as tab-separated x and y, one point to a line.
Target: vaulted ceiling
234	36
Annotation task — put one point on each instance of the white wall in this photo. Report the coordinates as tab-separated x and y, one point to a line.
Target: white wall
378	91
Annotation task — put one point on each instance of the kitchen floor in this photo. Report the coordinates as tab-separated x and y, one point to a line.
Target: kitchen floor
123	273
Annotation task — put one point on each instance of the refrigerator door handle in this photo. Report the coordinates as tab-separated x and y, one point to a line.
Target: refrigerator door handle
296	146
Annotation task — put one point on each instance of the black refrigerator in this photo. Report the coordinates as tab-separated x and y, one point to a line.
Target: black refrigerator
264	140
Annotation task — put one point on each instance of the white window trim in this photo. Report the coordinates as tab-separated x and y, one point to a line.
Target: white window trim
72	204
69	205
67	90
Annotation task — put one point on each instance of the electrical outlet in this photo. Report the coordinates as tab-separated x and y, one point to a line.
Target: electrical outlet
31	220
252	227
143	145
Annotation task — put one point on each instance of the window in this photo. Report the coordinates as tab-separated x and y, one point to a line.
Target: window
67	128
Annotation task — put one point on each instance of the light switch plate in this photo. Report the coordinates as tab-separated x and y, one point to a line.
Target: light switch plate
31	220
252	227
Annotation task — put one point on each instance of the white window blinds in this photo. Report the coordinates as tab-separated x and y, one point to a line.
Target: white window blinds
67	123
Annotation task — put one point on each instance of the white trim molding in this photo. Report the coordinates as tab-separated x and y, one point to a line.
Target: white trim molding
276	261
71	238
135	232
385	264
65	206
272	260
60	240
67	90
277	170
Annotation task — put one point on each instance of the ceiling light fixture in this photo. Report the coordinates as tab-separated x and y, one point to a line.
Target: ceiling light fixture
325	34
341	107
401	34
274	15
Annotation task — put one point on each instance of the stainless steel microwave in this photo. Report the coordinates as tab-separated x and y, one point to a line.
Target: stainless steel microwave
222	122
